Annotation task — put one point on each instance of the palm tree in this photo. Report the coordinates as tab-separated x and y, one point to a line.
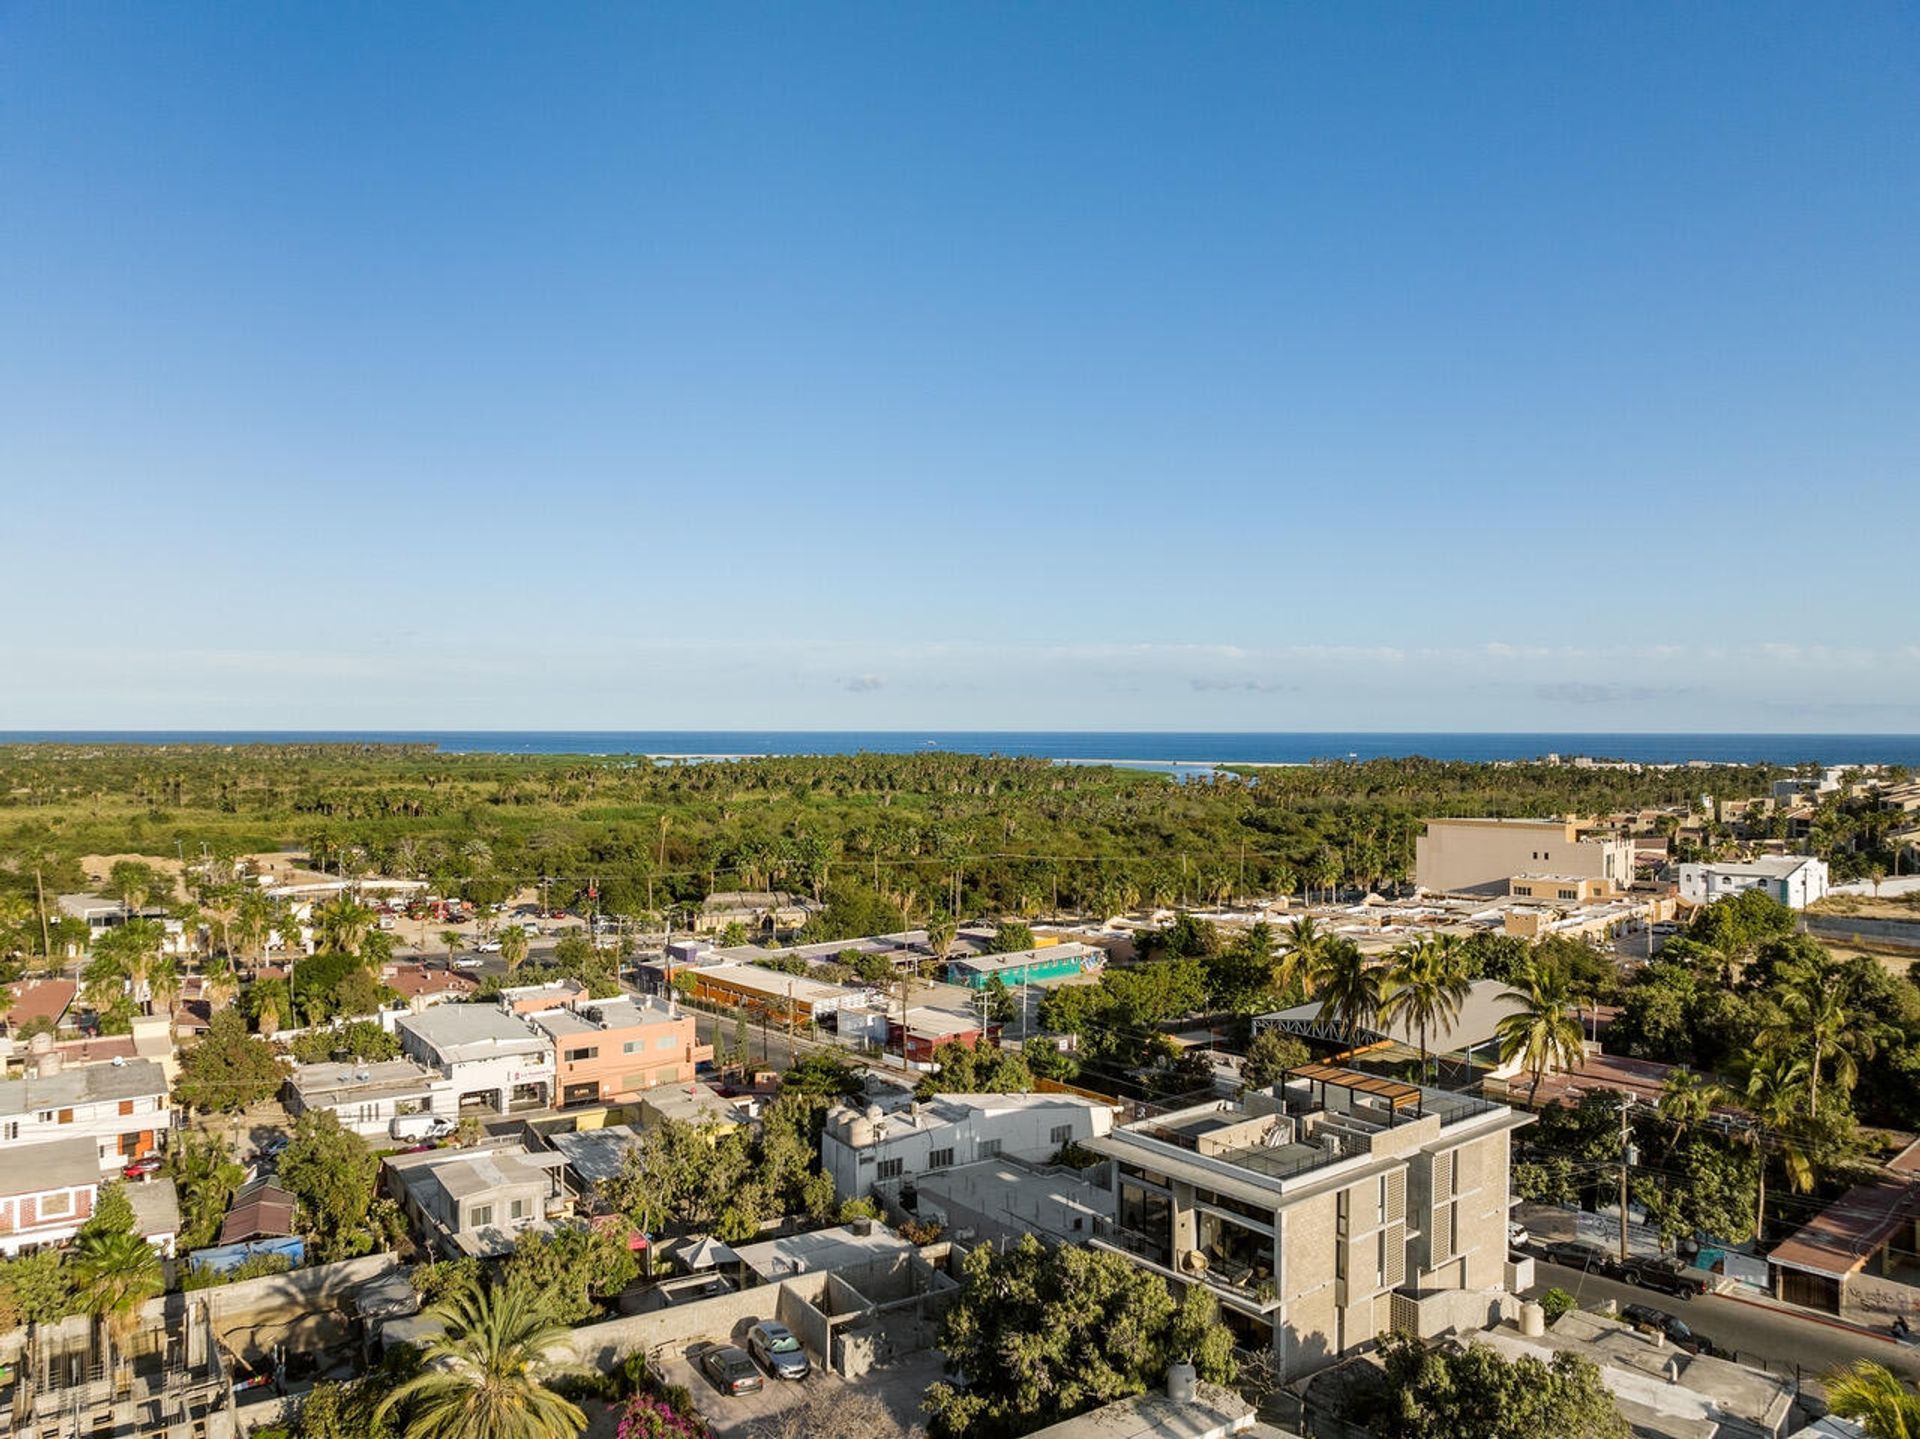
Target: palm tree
1687	1099
1306	948
1773	1102
207	1176
116	1271
451	939
481	1378
1349	986
1426	984
940	935
1543	1030
1871	1395
342	924
1817	1016
513	947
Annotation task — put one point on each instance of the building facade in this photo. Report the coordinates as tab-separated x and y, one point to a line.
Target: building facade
861	1148
1322	1213
609	1050
367	1098
1795	880
121	1107
1484	854
44	1202
494	1060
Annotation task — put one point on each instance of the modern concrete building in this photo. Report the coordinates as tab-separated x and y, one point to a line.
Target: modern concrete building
1321	1213
860	1148
369	1097
998	1200
477	1201
121	1107
609	1050
495	1060
1796	880
1484	854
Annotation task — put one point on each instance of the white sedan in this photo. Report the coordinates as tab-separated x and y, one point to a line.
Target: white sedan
468	961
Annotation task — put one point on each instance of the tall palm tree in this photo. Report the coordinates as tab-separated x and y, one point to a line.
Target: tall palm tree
1544	1030
481	1379
1817	1017
1773	1103
1874	1397
1349	986
451	939
513	947
116	1271
1304	949
1426	984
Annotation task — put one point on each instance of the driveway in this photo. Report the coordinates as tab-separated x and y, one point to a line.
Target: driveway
900	1386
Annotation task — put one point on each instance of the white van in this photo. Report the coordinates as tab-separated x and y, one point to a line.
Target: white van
415	1127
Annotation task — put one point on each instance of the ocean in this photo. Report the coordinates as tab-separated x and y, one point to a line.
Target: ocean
1177	751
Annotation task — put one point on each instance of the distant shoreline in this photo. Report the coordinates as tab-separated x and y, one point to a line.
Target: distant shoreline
1168	749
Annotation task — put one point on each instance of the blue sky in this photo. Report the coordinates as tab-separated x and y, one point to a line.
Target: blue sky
1067	366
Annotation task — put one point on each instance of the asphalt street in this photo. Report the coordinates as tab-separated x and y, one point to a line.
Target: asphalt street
1765	1337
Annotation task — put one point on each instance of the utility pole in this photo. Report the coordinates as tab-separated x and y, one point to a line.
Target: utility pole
1625	1153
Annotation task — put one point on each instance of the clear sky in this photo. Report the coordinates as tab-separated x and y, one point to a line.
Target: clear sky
1267	366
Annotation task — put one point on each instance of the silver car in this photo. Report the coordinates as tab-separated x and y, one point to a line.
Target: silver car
775	1346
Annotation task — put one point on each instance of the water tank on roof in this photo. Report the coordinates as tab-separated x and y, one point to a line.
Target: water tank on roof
1183	1382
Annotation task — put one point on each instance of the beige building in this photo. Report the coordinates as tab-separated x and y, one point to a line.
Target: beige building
1485	854
1324	1212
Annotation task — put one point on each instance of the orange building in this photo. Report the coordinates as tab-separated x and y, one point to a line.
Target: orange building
608	1051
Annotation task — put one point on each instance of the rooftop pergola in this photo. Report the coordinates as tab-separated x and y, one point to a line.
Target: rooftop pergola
1395	1095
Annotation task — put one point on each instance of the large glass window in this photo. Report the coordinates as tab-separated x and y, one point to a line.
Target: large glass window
1145	1222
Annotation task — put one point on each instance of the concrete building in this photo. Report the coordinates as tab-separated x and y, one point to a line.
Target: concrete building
174	1384
1456	855
998	1200
44	1202
610	1050
1185	1409
768	992
367	1098
533	998
478	1201
1559	888
860	1148
1027	966
495	1060
121	1107
1324	1212
1796	880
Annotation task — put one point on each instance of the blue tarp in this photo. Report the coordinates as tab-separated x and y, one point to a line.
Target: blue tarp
231	1256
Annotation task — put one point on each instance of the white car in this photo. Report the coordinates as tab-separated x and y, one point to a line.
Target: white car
488	946
1517	1236
468	961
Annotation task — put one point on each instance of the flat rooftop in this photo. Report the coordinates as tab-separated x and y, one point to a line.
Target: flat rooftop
1213	1411
473	1031
91	1084
822	1251
325	1085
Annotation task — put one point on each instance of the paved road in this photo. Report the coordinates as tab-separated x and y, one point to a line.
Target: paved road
1773	1339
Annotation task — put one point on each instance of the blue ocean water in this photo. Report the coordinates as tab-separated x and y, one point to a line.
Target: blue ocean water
1154	749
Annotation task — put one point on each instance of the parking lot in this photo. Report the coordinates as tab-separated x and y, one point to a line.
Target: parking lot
899	1386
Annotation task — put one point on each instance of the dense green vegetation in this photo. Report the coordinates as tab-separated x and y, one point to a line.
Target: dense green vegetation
879	836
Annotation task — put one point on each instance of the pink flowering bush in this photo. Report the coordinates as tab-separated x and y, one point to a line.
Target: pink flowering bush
647	1417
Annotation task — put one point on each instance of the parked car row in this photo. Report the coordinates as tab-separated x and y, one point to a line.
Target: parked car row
1659	1272
734	1370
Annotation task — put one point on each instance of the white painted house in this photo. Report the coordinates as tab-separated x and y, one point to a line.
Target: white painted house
120	1107
494	1059
1796	880
860	1148
367	1098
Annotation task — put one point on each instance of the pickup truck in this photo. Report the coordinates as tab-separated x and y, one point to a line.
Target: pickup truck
1668	1276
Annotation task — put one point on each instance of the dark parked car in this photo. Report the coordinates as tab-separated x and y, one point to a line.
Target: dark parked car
732	1370
1669	1276
776	1346
1649	1320
1578	1254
